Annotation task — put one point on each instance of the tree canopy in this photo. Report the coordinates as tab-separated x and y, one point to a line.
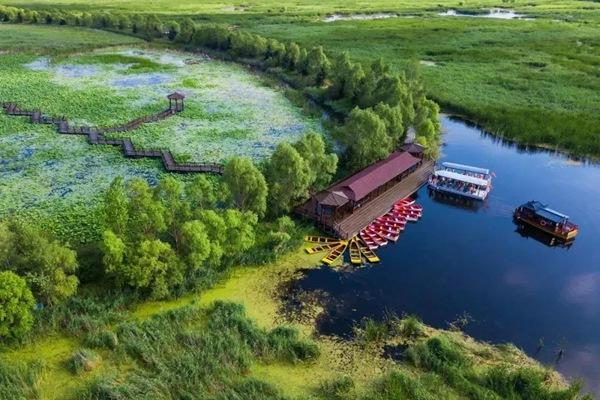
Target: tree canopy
47	266
246	185
16	305
366	138
321	165
289	178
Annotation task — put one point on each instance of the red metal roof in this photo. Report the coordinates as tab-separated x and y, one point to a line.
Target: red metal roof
367	180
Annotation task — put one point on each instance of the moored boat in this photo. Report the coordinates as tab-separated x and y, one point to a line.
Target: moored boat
463	180
381	241
368	241
540	216
355	257
322	247
320	239
409	216
367	252
335	253
385	233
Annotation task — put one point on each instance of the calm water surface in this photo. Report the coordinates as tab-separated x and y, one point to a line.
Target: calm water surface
461	259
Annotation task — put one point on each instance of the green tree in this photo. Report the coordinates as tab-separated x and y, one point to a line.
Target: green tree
172	28
292	56
322	166
216	229
115	207
317	65
364	134
47	266
392	117
7	241
138	22
114	251
186	31
196	244
245	185
123	22
176	210
289	178
276	52
86	19
16	304
200	193
153	27
339	75
155	267
239	232
146	214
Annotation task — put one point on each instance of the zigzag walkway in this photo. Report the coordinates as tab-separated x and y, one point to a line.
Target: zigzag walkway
95	135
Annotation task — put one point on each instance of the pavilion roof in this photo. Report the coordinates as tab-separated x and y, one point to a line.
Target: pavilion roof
176	96
332	198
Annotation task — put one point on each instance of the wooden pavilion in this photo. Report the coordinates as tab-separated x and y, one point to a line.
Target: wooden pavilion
176	101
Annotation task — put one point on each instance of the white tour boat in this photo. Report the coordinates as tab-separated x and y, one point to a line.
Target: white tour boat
462	180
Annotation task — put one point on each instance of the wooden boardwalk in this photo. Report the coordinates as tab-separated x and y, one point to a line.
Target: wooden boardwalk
95	136
351	225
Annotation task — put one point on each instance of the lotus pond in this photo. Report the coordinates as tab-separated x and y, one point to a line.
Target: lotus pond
59	180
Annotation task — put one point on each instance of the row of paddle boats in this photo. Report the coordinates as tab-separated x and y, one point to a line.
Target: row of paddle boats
388	227
359	251
384	229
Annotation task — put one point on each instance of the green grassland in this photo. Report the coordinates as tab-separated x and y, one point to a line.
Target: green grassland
305	7
53	39
216	350
103	344
535	81
57	180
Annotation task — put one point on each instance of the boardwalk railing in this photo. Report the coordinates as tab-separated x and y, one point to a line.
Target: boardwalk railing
95	136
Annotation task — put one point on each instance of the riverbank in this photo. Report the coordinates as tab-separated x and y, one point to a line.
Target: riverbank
259	290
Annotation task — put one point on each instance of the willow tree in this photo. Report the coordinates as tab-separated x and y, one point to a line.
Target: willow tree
289	177
16	305
321	165
245	185
365	136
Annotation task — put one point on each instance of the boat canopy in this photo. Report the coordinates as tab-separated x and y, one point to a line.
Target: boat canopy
460	177
467	168
544	211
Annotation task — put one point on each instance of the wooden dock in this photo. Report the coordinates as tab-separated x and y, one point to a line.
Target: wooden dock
348	226
95	136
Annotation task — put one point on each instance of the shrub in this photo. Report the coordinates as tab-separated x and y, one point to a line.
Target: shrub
337	389
373	331
81	361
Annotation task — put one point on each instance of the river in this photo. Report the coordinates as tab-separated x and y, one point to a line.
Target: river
461	259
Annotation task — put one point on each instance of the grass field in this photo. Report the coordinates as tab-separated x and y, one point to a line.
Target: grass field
55	39
307	7
257	289
57	180
536	81
532	80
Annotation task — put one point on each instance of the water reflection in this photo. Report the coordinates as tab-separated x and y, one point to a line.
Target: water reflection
527	231
520	147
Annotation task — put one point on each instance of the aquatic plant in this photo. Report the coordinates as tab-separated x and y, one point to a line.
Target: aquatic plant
58	180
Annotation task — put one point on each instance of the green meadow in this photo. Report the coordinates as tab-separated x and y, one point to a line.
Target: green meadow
535	81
